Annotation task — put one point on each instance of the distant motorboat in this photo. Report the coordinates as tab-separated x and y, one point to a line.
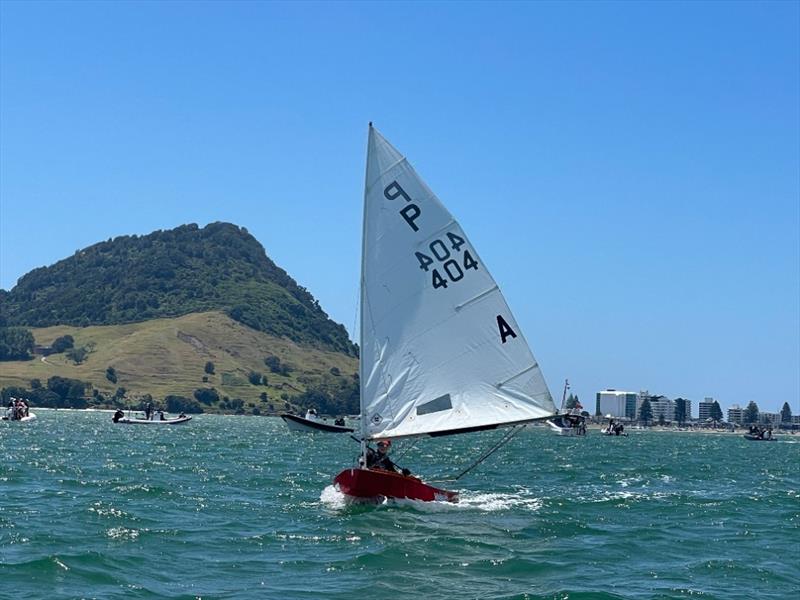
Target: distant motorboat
120	419
311	423
757	438
9	417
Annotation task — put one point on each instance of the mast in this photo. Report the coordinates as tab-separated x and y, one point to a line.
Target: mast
362	304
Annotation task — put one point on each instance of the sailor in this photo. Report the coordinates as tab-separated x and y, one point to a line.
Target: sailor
380	459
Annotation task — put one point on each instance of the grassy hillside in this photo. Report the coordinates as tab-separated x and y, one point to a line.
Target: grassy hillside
167	357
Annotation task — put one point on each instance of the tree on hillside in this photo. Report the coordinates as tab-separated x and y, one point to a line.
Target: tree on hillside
63	343
750	414
77	355
179	404
71	392
680	410
206	395
209	368
716	411
16	343
256	378
786	413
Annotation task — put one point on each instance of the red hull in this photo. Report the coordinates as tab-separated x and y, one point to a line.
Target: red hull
373	483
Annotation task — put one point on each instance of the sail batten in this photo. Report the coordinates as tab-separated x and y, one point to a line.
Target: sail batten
436	332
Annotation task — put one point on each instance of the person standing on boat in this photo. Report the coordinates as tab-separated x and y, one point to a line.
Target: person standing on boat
380	459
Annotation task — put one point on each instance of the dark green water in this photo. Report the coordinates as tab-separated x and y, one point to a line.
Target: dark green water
235	507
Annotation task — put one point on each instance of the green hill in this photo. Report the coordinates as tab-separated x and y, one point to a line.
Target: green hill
197	317
168	357
130	279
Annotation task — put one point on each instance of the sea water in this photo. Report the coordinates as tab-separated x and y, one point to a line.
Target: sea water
239	507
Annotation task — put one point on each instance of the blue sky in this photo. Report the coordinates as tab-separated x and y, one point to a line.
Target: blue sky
630	172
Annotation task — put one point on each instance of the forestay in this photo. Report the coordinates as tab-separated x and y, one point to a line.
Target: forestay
440	349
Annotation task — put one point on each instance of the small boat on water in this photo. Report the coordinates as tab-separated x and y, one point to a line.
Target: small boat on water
119	418
311	423
9	417
759	434
564	426
441	353
175	421
18	410
756	438
569	422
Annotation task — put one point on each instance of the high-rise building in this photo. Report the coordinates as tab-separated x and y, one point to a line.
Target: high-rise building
704	408
768	418
616	403
662	407
736	414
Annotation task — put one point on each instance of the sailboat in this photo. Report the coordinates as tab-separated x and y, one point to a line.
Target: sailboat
569	422
441	352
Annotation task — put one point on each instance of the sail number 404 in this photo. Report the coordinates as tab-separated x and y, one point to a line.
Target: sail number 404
452	264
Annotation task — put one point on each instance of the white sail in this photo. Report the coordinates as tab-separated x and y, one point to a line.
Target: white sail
440	349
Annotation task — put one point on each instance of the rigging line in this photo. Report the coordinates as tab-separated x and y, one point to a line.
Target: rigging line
506	438
407	449
355	320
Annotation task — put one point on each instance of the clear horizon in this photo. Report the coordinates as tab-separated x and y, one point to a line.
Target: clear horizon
629	172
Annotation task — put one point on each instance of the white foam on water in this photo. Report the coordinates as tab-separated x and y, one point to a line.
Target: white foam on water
491	502
122	533
333	498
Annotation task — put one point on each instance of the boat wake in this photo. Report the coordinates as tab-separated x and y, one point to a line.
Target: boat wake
333	499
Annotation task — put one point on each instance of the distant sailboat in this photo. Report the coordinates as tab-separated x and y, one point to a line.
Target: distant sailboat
569	422
441	352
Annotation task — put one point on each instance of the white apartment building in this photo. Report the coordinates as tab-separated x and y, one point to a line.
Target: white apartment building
704	408
662	407
768	418
617	403
735	414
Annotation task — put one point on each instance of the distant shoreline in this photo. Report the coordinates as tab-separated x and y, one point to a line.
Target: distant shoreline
740	430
